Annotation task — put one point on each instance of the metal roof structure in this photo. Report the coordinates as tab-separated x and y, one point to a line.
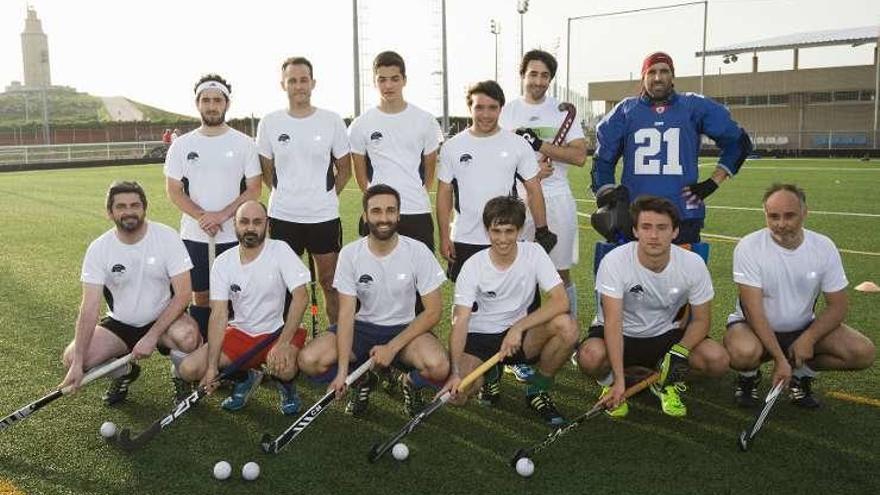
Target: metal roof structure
852	36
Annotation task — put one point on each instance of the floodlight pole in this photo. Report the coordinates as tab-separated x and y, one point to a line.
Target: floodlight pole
621	12
703	68
357	56
445	71
876	85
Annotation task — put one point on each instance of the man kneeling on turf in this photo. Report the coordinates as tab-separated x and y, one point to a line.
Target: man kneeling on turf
780	271
135	264
255	276
645	288
382	273
492	295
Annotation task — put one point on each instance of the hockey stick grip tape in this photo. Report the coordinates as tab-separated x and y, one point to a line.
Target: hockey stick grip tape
479	371
98	372
354	375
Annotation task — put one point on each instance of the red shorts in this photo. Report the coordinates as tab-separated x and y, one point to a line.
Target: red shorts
237	343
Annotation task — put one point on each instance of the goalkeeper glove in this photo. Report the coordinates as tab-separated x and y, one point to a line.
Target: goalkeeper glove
531	137
703	189
674	365
545	238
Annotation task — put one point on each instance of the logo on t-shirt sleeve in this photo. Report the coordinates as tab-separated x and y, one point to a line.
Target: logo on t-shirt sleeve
192	156
284	139
118	268
465	158
365	279
234	288
376	137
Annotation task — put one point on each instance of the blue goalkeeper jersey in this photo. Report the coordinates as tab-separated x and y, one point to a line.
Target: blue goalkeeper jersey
660	145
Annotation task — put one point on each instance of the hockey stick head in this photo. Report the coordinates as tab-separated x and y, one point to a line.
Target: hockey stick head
126	442
567	107
374	453
267	444
743	441
519	454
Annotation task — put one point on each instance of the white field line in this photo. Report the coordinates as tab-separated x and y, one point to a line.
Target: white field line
746	208
804	169
730	238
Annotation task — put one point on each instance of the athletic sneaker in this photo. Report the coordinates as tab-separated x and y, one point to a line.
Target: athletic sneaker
412	397
290	402
542	404
182	390
800	391
670	401
241	391
390	380
618	412
522	372
746	392
359	395
490	392
118	389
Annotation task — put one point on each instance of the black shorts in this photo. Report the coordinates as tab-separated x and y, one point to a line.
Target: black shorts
463	252
129	334
317	238
645	352
785	339
485	345
198	254
367	335
419	226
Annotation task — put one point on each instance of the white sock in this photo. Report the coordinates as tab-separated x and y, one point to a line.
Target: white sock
571	291
607	380
804	371
176	357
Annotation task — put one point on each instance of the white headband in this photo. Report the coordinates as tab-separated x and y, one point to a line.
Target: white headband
212	85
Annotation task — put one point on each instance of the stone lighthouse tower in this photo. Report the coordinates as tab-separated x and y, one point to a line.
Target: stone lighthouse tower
35	52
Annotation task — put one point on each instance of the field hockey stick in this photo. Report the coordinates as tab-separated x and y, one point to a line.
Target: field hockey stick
747	436
593	412
212	251
273	446
313	295
126	441
38	404
562	133
378	450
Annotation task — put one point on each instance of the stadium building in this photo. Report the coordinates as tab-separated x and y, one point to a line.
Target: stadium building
788	112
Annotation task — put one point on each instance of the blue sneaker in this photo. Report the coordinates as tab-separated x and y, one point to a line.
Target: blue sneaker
290	402
242	391
522	372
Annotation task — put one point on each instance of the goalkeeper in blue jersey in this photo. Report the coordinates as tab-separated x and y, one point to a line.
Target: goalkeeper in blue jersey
658	133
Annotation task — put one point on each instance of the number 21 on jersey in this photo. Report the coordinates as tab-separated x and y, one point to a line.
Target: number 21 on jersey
648	146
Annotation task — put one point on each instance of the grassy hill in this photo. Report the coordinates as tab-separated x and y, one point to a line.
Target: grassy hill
67	107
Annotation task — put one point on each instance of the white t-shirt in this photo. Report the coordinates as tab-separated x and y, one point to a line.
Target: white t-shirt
651	300
790	280
546	119
482	168
394	145
139	275
214	167
503	297
305	152
386	286
257	289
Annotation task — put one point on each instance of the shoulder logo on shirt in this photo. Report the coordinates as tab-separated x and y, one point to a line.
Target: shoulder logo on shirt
117	268
376	137
234	288
491	294
465	158
365	279
637	290
284	139
192	156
